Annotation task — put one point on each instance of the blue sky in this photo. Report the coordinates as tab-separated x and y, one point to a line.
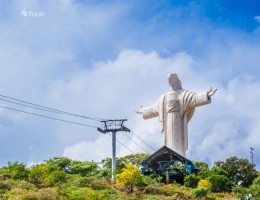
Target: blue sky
106	58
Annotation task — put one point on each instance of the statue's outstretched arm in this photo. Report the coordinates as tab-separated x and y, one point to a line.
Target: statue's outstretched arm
139	110
211	92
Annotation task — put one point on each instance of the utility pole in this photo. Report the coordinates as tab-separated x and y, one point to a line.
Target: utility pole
252	155
113	126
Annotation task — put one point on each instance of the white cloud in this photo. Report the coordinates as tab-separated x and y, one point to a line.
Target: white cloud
87	150
257	18
101	61
130	80
217	131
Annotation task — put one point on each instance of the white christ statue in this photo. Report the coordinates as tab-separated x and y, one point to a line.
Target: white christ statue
174	110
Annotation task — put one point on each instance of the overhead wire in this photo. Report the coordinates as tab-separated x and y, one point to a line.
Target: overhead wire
45	108
21	104
135	142
143	140
52	110
48	117
123	144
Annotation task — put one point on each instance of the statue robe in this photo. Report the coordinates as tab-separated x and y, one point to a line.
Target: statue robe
174	110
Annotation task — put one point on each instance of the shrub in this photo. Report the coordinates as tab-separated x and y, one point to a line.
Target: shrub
99	184
131	176
56	177
42	194
83	168
38	174
241	171
5	186
104	173
15	171
191	181
151	179
26	185
205	184
240	191
151	197
220	183
85	194
200	192
255	190
158	189
83	181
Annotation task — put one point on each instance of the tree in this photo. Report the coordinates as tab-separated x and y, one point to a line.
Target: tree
191	180
131	176
240	171
219	171
83	168
255	187
203	168
38	174
55	177
15	170
106	163
56	163
220	183
134	159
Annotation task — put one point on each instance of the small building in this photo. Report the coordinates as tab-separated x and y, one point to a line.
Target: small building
169	164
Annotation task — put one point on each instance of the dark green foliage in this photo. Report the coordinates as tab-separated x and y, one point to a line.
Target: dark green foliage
151	179
219	179
55	177
200	192
240	171
104	173
191	181
72	167
63	178
254	189
203	167
219	171
62	163
133	159
220	183
84	181
4	187
15	171
240	191
106	163
83	168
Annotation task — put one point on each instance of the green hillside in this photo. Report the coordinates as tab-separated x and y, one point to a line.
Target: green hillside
64	179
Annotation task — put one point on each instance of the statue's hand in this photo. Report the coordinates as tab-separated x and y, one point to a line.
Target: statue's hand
139	110
211	92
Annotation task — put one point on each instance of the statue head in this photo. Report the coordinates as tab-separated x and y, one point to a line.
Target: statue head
174	81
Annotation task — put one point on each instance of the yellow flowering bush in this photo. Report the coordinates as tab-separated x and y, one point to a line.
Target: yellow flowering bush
203	183
131	176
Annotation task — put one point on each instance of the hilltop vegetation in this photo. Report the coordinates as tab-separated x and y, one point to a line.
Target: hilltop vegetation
65	179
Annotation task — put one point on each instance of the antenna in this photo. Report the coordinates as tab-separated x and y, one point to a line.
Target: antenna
252	155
